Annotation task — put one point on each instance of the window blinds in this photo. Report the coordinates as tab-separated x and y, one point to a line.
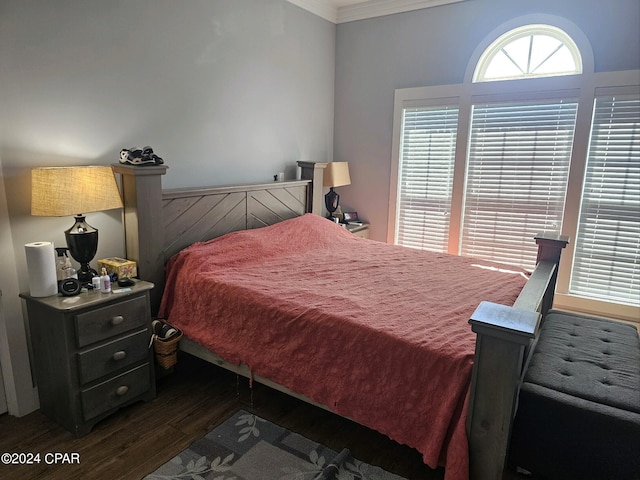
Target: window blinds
426	177
607	253
518	164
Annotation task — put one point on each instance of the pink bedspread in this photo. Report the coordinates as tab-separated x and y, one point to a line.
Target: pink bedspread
376	332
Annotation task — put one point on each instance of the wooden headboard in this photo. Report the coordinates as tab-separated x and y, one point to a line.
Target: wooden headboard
159	223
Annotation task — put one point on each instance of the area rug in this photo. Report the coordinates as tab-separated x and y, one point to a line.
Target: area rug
247	447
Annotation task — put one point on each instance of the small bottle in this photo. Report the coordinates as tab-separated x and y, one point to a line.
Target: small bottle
105	282
95	283
69	271
60	264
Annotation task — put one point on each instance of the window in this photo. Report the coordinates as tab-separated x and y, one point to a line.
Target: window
607	255
532	141
530	51
426	175
517	170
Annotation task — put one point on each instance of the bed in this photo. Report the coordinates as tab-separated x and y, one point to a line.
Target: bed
455	386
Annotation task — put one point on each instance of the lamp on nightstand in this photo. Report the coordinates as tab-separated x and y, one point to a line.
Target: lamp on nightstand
336	174
62	191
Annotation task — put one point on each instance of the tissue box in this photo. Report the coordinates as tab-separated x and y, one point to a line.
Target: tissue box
120	266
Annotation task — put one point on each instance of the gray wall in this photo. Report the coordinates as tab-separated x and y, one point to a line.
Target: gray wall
433	47
226	91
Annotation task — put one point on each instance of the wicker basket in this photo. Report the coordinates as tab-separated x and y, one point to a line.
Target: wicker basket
166	351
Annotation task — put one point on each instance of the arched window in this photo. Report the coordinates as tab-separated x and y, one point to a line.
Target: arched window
529	51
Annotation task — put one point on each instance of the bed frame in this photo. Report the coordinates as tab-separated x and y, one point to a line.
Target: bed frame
160	223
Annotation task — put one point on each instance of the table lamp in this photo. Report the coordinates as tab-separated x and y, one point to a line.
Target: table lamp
61	191
336	174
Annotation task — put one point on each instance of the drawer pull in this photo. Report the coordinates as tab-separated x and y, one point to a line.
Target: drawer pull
120	391
119	355
117	320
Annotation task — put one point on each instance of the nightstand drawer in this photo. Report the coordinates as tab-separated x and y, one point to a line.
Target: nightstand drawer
96	362
115	392
102	323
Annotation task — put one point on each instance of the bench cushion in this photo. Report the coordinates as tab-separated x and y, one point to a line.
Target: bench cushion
590	358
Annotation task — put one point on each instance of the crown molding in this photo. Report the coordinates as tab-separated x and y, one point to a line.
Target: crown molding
379	8
322	8
328	10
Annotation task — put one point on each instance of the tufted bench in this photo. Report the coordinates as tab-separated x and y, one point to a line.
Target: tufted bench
579	407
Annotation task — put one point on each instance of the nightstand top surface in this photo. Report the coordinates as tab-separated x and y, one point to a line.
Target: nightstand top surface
90	298
353	227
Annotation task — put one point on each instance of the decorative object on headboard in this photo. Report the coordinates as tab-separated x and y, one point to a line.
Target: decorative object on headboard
335	175
62	191
139	156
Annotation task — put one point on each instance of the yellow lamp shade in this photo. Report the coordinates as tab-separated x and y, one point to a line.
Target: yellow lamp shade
336	174
61	191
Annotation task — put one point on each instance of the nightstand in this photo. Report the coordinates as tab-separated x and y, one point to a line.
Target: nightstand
359	230
91	353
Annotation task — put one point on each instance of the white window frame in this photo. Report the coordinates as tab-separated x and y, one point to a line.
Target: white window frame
610	164
584	86
498	222
526	31
618	83
412	226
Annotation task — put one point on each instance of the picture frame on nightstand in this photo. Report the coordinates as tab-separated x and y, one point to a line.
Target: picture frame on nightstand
350	217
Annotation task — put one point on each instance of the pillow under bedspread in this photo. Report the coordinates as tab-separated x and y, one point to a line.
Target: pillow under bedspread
376	332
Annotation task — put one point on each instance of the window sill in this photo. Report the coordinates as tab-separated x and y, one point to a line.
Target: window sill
615	311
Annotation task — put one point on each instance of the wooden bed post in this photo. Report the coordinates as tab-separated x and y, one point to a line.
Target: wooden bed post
144	223
504	336
550	247
314	171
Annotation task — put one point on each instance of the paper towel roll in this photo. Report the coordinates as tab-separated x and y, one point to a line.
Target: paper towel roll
41	266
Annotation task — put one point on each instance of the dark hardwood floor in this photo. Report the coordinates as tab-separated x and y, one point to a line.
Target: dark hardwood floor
190	402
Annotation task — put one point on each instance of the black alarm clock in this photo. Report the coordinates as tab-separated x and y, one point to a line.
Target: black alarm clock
69	287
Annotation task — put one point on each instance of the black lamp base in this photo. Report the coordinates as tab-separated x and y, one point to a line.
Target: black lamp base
331	201
86	274
82	240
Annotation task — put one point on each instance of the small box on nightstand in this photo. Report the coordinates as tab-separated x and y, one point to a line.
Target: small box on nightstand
120	266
